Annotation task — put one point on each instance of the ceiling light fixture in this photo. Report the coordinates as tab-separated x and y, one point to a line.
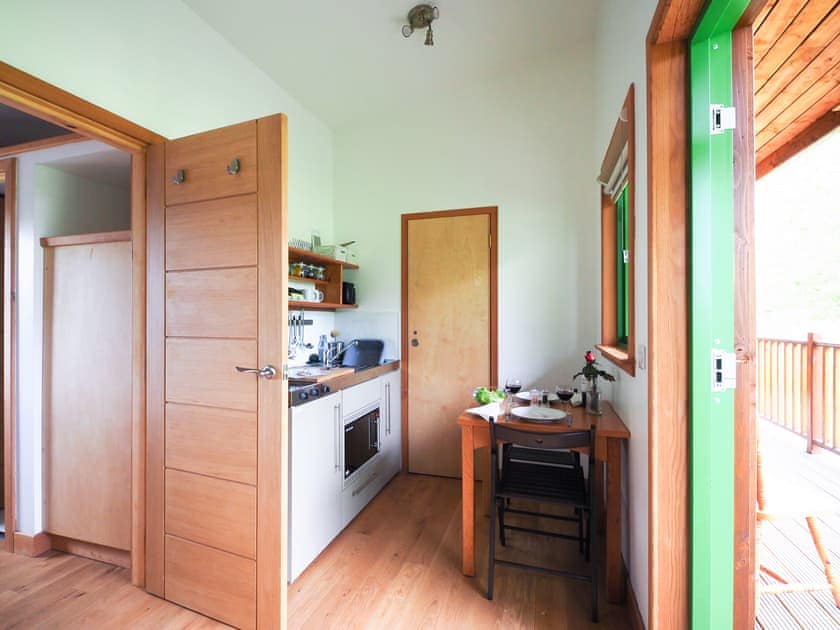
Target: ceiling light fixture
420	17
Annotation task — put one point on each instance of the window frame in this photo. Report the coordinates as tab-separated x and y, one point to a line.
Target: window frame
616	348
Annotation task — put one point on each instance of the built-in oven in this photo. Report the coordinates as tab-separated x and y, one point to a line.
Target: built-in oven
361	439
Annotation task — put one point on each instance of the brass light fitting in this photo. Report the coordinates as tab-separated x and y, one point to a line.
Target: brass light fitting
421	17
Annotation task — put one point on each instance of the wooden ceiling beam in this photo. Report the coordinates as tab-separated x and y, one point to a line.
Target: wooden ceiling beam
818	129
44	143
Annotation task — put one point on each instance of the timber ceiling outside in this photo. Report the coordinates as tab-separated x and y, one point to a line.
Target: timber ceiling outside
797	76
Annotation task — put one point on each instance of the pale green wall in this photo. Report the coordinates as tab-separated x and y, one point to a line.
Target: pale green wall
156	63
521	142
622	28
69	204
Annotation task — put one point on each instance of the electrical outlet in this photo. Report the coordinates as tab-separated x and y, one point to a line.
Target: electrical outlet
641	356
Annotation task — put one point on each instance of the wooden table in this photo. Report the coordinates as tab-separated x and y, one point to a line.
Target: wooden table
609	433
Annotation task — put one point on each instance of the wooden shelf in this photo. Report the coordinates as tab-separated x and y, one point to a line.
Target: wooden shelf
309	280
295	305
304	255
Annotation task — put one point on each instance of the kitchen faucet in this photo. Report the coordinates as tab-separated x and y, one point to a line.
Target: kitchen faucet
330	360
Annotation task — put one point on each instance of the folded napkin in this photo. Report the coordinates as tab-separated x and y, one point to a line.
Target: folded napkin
487	411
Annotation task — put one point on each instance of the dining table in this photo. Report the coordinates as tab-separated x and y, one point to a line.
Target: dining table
610	433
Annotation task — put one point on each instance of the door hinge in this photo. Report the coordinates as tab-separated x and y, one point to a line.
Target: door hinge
723	370
722	118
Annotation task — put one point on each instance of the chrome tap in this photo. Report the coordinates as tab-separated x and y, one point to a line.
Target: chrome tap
330	359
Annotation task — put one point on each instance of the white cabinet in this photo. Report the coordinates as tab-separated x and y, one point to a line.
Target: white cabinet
316	476
391	430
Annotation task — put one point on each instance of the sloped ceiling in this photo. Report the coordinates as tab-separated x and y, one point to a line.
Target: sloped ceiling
797	77
17	127
347	60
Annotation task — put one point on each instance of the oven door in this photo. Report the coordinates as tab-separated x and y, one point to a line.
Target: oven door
361	441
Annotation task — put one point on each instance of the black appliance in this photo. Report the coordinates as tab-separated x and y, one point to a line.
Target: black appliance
348	293
363	353
361	441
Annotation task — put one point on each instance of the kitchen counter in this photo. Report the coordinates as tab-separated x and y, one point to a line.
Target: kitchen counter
354	378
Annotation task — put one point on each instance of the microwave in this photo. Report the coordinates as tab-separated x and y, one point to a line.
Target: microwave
361	441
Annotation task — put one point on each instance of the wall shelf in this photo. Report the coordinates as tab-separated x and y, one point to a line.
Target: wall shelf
331	286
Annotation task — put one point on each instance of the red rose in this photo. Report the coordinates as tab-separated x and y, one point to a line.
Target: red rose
589	356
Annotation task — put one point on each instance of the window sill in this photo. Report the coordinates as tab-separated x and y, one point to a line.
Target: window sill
619	357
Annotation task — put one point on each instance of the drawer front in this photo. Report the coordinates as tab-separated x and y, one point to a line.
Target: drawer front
202	163
360	396
219	584
218	443
364	487
214	512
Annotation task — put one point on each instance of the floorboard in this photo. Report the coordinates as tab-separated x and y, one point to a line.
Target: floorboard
398	566
795	478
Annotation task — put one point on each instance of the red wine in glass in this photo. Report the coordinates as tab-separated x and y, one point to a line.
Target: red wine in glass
513	386
565	393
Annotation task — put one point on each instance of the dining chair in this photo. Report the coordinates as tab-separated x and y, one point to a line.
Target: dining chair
543	483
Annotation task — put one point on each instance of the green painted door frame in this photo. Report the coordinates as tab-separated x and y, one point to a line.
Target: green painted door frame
712	326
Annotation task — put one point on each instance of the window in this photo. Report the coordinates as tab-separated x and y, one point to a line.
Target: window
617	179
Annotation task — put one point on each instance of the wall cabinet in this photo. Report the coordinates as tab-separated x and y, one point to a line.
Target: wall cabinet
316	476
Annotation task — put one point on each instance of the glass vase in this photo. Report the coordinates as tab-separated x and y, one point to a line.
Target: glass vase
593	399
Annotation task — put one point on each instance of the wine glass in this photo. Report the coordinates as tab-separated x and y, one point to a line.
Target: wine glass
565	393
513	385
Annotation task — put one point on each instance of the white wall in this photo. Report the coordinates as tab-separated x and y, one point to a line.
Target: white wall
159	65
49	203
622	28
521	142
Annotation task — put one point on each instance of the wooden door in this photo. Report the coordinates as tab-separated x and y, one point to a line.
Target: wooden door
449	329
87	388
216	437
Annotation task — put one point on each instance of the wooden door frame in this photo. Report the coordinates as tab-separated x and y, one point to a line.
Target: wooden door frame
38	98
493	213
668	308
8	168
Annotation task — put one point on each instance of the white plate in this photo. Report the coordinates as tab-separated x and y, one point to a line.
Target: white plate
527	396
539	414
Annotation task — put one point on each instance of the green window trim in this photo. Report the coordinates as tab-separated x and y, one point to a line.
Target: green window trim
622	268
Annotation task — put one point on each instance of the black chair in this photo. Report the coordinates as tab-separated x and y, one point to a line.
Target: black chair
544	482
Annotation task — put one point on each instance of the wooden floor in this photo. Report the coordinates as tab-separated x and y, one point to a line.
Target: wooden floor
60	591
398	565
793	477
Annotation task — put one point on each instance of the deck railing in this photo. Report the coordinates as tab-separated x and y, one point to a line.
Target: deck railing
799	388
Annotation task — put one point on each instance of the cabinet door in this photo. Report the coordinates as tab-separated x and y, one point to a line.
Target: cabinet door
392	425
316	478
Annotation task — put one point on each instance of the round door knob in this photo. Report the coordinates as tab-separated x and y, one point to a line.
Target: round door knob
415	342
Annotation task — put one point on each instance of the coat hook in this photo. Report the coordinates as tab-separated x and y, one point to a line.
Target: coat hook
179	178
233	167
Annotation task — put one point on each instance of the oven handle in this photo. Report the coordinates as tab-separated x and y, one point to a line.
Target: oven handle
336	434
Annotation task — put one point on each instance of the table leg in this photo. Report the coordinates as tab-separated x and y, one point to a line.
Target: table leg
486	461
614	577
467	501
599	488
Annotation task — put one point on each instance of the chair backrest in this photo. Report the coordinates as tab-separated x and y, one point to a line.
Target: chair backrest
541	439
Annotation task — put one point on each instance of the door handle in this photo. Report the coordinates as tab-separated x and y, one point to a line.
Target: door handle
336	436
268	372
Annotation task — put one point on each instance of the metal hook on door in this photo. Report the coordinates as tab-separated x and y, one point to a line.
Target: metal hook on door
233	167
180	176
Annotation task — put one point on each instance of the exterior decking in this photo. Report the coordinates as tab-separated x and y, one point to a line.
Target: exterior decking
794	478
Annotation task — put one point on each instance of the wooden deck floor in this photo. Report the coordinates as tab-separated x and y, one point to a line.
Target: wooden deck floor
792	477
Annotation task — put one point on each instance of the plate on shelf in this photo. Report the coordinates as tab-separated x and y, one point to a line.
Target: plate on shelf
527	396
539	414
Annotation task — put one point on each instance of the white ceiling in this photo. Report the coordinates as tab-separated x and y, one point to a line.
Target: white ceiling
346	60
111	167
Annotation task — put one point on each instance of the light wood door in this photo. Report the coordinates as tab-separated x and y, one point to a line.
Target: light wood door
449	330
216	442
87	391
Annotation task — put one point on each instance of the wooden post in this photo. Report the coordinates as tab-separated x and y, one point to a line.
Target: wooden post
810	362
